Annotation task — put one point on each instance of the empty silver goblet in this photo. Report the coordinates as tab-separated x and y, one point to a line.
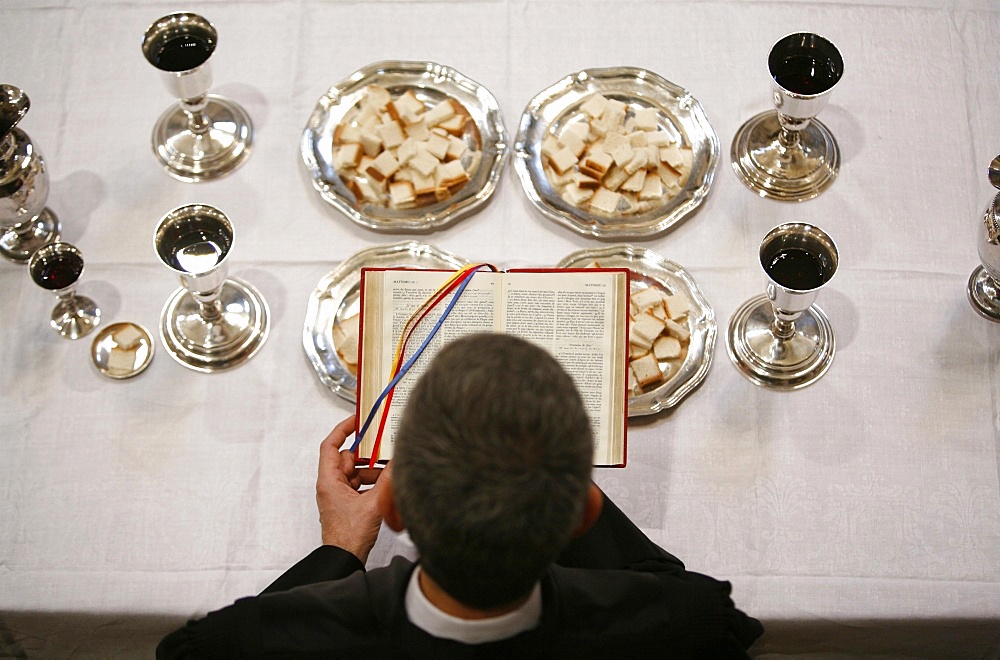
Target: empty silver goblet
786	153
57	267
212	322
984	283
203	136
26	224
782	339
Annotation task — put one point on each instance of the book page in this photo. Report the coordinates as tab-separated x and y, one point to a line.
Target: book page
391	298
575	315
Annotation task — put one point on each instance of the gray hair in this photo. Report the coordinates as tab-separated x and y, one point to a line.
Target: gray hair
491	465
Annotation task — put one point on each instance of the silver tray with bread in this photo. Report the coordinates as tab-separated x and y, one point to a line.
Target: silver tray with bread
405	146
672	327
330	336
616	153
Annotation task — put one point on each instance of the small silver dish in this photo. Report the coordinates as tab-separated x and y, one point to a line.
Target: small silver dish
337	297
679	114
122	350
430	83
648	269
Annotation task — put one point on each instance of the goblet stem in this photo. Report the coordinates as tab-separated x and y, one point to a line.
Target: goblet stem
783	329
199	122
788	139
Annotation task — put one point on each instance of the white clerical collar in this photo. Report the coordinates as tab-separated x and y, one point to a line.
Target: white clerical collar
426	616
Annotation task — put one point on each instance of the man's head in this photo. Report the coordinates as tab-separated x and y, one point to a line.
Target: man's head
491	467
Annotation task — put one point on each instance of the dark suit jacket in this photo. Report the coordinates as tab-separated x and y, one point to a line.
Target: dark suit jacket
631	598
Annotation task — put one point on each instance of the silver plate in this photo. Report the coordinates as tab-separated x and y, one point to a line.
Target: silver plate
337	297
650	269
680	114
430	83
122	350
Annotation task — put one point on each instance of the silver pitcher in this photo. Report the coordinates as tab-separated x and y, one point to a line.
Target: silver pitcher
25	221
984	283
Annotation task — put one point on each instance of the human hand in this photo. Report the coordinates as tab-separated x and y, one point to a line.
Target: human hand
348	518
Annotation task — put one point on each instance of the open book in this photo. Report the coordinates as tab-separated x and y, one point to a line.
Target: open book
579	315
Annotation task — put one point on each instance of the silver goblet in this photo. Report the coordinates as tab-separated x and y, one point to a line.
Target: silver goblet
984	283
213	322
57	267
786	153
782	339
203	136
26	224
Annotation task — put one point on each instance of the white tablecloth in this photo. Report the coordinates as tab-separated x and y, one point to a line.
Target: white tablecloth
861	514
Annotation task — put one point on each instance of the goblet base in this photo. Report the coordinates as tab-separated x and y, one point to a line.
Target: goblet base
75	317
984	294
208	154
795	172
769	361
21	241
215	344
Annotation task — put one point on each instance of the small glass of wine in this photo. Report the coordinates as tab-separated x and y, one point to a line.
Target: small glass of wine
212	322
786	153
782	340
57	267
203	136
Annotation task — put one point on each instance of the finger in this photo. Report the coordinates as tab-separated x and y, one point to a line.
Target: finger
369	476
329	449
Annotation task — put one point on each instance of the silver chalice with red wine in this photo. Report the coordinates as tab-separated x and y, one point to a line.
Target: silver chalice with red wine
212	322
782	339
57	267
203	136
786	153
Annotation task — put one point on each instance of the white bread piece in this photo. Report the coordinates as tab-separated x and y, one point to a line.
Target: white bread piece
456	148
422	185
348	156
407	150
586	182
418	130
455	125
401	193
614	112
596	163
676	329
615	177
345	339
666	347
376	97
424	162
671	155
669	176
637	139
371	141
346	133
577	195
647	370
635	182
579	130
646	326
563	160
637	163
594	105
391	133
660	312
573	142
605	201
440	112
646	298
614	139
550	145
635	351
405	106
677	306
645	119
122	360
451	174
438	144
383	167
658	138
127	338
633	385
622	154
652	188
367	191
